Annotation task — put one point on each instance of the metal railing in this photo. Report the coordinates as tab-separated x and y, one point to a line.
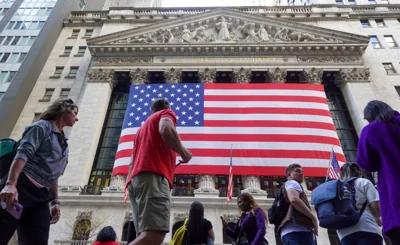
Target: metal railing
91	190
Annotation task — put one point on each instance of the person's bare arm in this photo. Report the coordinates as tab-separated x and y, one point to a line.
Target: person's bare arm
211	234
376	211
299	205
170	135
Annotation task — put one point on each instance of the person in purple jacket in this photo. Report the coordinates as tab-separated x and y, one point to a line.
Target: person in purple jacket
379	150
252	224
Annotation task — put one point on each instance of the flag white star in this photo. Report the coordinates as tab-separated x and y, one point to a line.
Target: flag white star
183	112
197	95
179	90
137	118
172	95
129	124
153	99
173	86
185	86
154	91
190	117
183	122
191	90
166	91
146	104
196	113
135	96
197	86
133	105
190	108
197	122
172	103
161	86
184	95
144	113
131	114
178	99
197	103
184	103
190	99
142	122
147	95
136	87
159	95
148	86
140	100
139	109
177	108
142	91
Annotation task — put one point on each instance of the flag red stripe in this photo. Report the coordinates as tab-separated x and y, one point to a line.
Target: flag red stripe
250	138
237	170
303	154
277	124
268	86
250	110
281	98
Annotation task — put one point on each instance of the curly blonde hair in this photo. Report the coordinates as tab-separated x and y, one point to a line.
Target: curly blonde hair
57	109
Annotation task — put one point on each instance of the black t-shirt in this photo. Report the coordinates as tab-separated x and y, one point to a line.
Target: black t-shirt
200	238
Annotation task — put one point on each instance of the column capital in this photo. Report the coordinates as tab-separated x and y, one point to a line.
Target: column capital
352	75
138	76
277	75
206	186
313	75
241	75
173	75
207	75
101	76
252	185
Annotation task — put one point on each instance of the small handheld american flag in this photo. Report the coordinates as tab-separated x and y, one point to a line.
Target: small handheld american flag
333	171
230	184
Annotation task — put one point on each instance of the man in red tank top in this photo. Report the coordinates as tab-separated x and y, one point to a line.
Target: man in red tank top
151	173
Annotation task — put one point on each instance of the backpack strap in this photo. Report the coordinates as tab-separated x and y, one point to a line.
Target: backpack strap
364	206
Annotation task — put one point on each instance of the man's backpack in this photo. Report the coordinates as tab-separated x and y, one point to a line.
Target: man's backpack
181	235
279	208
335	204
7	158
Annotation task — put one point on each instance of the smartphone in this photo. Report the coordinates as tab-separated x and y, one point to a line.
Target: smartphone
16	209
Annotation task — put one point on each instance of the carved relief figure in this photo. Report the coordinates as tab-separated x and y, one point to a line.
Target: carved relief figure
223	28
304	37
200	35
263	34
248	32
185	35
150	39
281	35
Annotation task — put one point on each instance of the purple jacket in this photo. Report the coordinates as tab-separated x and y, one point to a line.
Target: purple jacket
379	150
253	226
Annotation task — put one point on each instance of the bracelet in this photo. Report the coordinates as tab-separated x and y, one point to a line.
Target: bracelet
55	202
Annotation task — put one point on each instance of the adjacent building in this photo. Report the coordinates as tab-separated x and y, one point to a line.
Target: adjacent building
28	31
351	49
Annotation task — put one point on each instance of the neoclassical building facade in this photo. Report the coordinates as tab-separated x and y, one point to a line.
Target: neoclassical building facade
100	54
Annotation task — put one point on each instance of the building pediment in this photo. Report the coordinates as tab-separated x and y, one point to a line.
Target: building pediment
227	26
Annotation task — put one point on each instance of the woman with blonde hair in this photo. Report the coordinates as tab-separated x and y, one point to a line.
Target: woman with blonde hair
252	224
32	181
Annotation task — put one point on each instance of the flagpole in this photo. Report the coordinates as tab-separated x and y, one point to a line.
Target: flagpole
229	180
329	165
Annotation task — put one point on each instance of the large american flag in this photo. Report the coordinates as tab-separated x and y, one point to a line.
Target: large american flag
270	125
333	171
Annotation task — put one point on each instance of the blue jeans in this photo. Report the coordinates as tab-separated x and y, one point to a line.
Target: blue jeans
299	238
362	238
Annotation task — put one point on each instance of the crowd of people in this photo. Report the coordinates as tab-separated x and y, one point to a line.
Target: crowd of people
42	155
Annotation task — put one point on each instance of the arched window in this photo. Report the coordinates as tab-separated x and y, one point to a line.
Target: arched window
225	238
82	230
176	227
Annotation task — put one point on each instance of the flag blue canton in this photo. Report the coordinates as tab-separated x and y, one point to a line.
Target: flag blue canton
186	100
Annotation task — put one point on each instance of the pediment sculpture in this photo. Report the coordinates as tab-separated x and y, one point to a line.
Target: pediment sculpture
225	30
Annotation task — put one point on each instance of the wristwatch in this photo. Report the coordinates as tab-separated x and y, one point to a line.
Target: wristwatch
55	202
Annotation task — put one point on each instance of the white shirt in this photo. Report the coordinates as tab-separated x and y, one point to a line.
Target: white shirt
289	227
365	190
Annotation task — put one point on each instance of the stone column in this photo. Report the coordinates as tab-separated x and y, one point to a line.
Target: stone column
277	75
117	183
85	135
173	75
357	92
207	75
252	185
206	186
312	75
242	75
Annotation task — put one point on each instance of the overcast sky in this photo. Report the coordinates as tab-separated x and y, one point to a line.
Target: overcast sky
201	3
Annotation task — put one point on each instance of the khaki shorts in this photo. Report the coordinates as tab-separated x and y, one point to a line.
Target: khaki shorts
150	197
